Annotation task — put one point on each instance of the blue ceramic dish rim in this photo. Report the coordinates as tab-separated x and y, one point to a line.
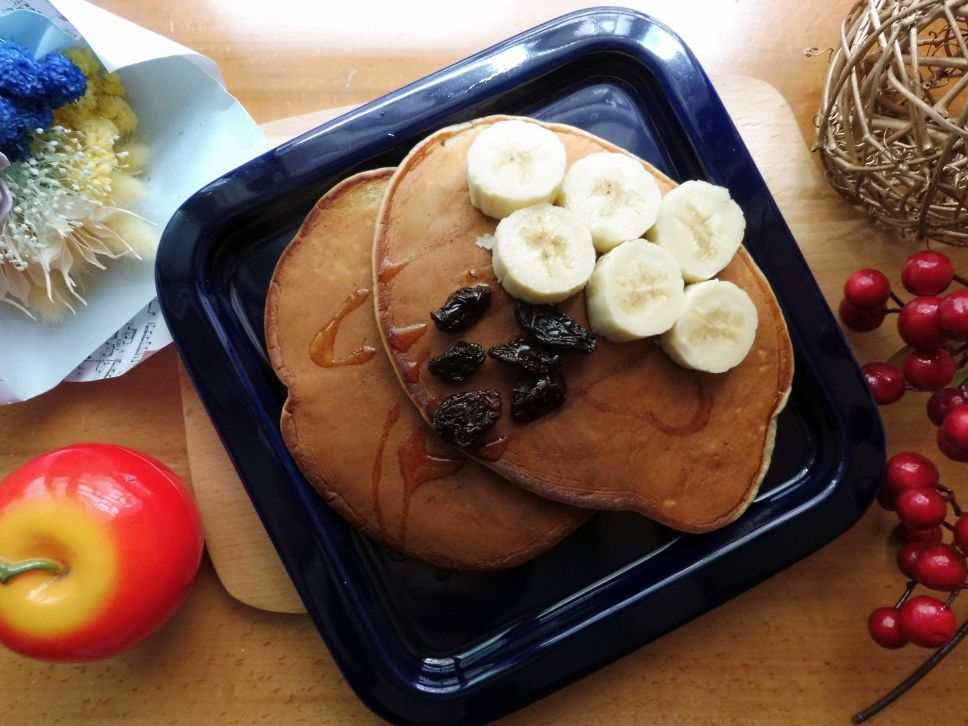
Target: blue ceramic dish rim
416	690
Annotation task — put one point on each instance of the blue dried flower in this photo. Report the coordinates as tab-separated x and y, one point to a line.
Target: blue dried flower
29	90
8	121
18	122
62	80
18	71
34	115
11	142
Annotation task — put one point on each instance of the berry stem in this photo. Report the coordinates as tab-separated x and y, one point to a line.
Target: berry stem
907	593
906	685
900	302
949	494
960	280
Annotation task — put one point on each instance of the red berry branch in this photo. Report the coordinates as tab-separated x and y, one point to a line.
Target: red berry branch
935	326
913	490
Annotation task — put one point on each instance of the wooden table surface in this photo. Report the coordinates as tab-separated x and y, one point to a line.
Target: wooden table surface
792	650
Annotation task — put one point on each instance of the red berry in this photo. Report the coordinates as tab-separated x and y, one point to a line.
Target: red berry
884	625
953	315
867	289
886	382
961	533
861	319
927	621
921	507
928	535
918	324
950	450
942	401
908	469
907	558
953	434
905	470
927	273
939	567
929	371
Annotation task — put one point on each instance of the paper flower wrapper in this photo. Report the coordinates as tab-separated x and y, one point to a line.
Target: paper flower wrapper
196	132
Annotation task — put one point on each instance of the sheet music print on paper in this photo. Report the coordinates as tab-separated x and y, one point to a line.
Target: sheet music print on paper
44	8
135	341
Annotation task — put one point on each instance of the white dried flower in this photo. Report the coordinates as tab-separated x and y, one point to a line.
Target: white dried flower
56	224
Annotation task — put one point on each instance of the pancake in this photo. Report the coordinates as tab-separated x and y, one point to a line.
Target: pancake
350	428
636	432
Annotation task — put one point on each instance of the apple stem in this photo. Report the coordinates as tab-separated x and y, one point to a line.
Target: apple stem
9	570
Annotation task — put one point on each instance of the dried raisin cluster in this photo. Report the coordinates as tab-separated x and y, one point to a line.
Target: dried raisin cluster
540	388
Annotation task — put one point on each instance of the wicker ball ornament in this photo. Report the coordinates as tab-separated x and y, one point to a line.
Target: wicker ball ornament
892	129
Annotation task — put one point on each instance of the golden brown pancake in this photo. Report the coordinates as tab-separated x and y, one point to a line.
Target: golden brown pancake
637	432
351	430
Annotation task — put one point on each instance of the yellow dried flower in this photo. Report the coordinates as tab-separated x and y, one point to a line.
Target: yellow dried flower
111	85
84	60
134	157
118	110
99	131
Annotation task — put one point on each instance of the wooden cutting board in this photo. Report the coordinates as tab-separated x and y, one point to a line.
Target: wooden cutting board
835	239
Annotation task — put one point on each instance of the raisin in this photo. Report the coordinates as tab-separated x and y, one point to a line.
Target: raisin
462	418
554	328
526	355
463	308
535	395
457	363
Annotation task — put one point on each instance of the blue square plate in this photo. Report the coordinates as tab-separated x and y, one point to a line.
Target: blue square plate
422	645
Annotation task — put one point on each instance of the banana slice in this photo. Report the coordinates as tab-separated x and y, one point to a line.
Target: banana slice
701	226
716	329
514	164
618	199
635	291
543	254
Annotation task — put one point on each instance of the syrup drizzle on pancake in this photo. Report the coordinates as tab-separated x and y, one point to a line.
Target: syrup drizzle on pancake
401	338
321	350
411	366
376	476
389	270
419	465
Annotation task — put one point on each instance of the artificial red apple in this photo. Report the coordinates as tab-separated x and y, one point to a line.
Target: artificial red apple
99	545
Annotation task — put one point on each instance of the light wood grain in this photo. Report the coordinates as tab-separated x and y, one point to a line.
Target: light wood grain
793	650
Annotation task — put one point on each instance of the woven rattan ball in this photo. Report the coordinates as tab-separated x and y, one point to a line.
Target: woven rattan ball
892	130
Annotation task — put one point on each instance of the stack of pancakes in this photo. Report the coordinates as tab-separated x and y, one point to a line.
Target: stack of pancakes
349	333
